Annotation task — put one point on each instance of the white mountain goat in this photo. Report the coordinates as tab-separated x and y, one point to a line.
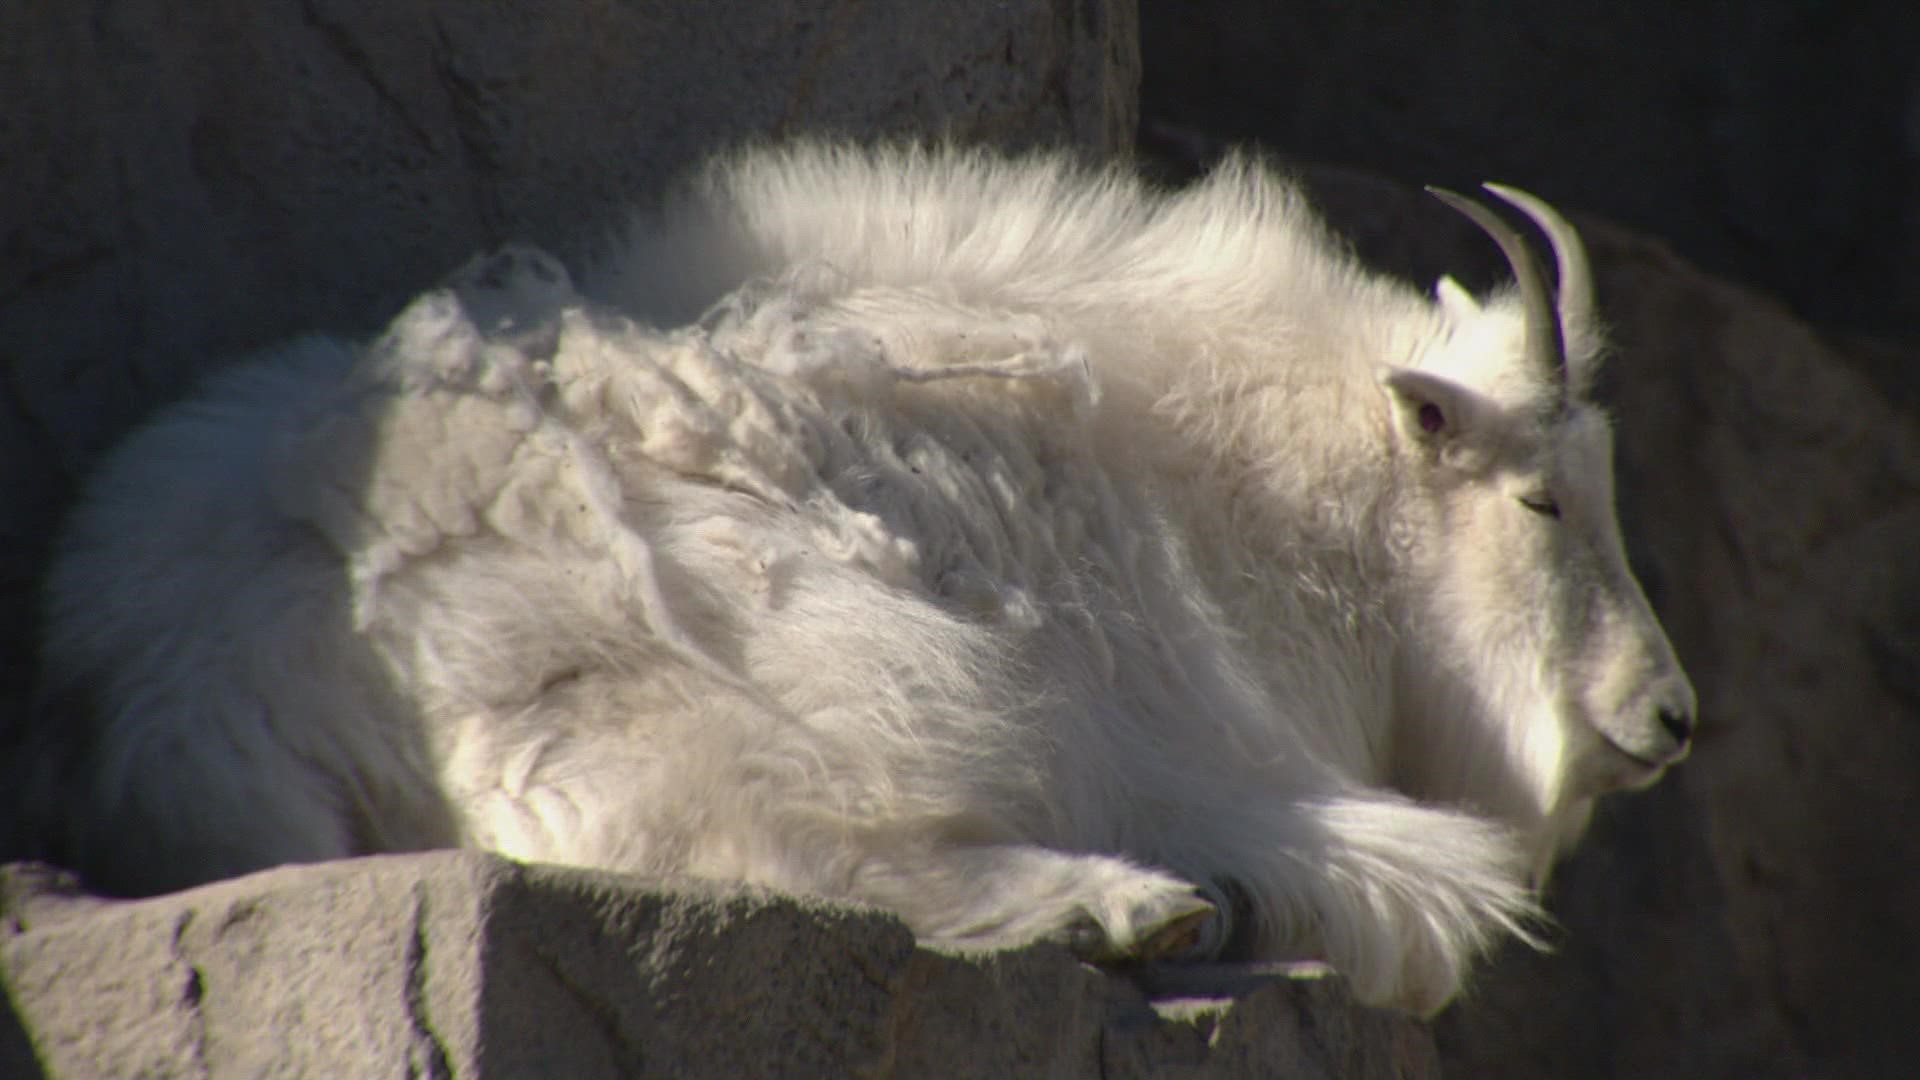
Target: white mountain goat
1030	552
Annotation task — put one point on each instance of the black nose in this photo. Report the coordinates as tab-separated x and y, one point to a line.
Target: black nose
1678	724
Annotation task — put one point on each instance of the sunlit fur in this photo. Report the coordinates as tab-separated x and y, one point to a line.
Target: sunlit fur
1007	544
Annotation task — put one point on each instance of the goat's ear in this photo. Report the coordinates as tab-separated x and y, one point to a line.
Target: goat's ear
1454	299
1446	421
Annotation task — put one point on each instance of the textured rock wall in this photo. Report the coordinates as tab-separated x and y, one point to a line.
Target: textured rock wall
459	964
180	183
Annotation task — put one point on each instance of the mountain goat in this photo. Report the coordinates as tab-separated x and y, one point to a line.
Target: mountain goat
1004	543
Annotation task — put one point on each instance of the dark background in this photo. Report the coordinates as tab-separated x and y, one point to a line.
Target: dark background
1772	142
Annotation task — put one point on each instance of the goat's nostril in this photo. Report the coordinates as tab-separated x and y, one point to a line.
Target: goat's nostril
1678	724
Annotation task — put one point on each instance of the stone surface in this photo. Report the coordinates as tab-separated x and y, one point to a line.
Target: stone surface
458	964
1758	913
183	183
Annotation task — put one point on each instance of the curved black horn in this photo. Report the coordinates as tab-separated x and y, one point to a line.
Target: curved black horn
1576	275
1545	344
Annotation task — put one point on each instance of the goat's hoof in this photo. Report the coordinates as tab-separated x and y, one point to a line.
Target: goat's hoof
1192	936
1177	923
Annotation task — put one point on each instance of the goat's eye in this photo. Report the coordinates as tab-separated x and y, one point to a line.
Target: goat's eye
1541	504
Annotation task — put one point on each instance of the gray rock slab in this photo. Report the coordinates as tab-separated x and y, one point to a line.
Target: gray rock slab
463	964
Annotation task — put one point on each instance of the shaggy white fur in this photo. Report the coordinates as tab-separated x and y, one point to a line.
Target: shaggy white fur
1007	544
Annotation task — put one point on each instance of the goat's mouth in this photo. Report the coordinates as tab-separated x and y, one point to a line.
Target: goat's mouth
1636	770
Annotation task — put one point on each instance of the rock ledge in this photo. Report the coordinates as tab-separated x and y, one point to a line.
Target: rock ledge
462	964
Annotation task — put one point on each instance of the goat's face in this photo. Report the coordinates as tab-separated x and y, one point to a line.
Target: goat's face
1533	672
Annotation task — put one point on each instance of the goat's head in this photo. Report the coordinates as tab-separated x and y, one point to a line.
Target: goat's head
1533	674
